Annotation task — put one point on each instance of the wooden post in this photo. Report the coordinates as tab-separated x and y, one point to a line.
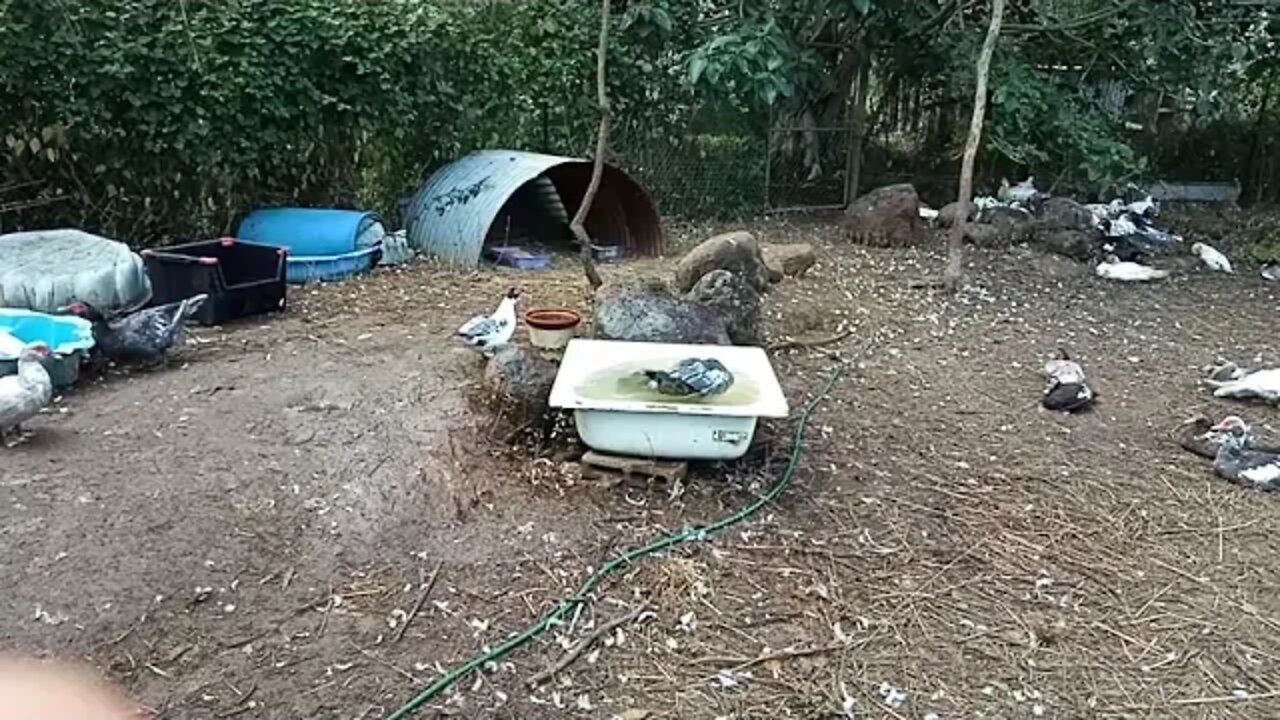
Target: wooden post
955	239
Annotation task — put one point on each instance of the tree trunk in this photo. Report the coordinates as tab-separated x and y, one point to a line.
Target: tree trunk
955	240
858	127
602	147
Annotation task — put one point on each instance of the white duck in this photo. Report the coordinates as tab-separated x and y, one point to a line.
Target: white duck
1146	207
1113	269
25	394
1259	384
1237	462
487	332
1271	272
1211	257
1020	194
1066	388
927	213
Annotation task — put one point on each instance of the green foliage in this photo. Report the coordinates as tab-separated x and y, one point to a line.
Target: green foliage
1038	120
157	119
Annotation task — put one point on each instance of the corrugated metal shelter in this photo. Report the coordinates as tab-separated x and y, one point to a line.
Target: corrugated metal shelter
508	197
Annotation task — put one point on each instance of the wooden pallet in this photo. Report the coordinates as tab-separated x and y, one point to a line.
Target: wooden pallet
670	470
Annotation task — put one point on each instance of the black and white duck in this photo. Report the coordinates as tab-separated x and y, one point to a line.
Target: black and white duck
1066	387
1236	462
703	377
144	336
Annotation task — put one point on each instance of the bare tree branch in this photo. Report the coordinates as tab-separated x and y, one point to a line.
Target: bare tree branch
955	240
602	147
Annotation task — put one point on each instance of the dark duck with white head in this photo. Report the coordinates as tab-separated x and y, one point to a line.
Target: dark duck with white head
1066	388
142	337
692	377
1238	462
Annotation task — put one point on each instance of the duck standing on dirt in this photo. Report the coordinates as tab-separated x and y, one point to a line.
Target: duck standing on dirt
1239	464
1066	388
25	394
144	336
703	377
488	332
1211	257
1112	268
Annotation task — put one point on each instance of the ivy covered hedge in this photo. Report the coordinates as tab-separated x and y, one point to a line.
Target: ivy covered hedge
156	121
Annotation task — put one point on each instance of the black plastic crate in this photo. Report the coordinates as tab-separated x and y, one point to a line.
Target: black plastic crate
241	278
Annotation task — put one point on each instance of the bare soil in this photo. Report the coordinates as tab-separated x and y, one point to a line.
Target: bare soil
244	533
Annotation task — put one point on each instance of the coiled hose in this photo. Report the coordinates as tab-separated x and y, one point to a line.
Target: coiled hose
693	534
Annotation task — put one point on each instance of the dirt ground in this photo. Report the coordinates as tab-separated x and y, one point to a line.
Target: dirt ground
245	533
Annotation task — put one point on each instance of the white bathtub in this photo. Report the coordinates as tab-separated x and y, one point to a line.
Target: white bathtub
706	430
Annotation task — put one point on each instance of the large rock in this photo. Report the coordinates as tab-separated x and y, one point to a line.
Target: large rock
1060	213
1075	244
737	252
521	375
791	260
736	301
650	313
987	236
885	217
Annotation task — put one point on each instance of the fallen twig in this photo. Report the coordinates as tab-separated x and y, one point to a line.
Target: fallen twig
816	342
391	666
576	651
417	605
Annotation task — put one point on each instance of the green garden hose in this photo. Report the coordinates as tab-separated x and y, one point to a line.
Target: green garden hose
694	534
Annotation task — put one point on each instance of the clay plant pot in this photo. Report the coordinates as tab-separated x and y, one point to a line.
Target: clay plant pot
552	328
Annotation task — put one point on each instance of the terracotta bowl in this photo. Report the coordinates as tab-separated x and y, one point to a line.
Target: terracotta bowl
552	328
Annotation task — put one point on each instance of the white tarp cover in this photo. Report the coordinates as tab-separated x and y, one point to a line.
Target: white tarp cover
44	270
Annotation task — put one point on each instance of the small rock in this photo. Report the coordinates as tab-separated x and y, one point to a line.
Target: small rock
885	217
521	375
790	259
737	252
736	301
951	213
986	236
648	312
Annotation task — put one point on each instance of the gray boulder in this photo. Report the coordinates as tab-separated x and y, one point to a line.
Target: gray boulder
648	312
885	217
737	252
1014	225
790	259
1060	213
522	376
1074	244
736	301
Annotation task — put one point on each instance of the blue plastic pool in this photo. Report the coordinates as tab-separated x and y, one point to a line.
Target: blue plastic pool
67	336
302	269
313	232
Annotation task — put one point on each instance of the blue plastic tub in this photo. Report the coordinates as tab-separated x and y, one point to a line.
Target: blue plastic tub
315	232
315	268
69	337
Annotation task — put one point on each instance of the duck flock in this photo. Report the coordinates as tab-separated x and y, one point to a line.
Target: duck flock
1129	232
132	337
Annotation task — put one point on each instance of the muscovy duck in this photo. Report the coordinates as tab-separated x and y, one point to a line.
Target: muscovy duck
1211	257
1259	384
1066	388
704	377
1024	193
25	394
1271	272
142	337
1112	268
1239	464
488	332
